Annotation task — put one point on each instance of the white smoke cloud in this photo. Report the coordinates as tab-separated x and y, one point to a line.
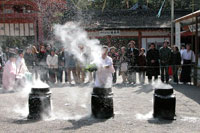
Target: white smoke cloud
21	110
72	36
147	116
160	85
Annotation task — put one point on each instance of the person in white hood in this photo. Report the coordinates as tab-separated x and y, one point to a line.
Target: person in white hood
21	65
103	78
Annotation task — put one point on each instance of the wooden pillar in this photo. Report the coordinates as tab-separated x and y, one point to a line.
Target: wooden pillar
196	53
40	28
178	35
108	40
35	31
172	22
139	39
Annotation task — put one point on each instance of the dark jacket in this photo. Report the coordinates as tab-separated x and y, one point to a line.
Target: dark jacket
132	58
61	60
165	55
153	68
142	63
1	63
42	58
114	57
30	59
176	58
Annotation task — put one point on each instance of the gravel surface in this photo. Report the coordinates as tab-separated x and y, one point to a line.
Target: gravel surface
71	111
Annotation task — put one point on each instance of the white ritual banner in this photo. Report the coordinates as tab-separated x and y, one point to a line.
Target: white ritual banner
21	27
31	28
17	30
7	30
26	25
12	30
178	34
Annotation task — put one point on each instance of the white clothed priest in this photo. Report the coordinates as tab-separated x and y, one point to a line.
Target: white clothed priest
22	70
21	65
103	78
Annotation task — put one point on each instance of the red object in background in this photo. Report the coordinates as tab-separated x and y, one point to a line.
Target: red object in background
28	11
170	72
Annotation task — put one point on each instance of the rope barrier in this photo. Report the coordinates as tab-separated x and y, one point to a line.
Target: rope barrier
160	66
128	66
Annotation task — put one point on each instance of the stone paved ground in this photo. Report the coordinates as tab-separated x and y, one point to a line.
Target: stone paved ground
132	105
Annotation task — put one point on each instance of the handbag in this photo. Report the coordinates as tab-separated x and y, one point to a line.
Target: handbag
170	72
124	67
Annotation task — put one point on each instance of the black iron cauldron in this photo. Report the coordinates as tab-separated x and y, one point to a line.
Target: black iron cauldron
164	92
102	103
39	103
164	104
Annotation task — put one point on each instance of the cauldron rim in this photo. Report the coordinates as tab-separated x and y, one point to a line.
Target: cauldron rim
36	86
102	91
163	88
40	88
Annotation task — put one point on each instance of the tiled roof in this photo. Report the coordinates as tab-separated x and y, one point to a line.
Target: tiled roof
126	19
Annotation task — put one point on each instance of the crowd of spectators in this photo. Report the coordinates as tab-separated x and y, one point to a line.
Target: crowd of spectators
57	65
168	62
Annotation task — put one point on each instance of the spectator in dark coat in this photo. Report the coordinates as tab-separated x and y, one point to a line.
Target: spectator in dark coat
42	55
29	59
175	62
2	63
48	49
61	66
152	63
132	56
165	57
113	54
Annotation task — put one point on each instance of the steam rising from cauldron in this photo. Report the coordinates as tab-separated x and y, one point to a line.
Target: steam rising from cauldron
73	38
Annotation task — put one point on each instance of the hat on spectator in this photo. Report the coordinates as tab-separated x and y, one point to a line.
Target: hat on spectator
183	45
12	54
188	44
104	46
12	50
20	51
113	47
48	45
53	49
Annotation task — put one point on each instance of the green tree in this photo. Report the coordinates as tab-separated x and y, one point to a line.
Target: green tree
123	4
